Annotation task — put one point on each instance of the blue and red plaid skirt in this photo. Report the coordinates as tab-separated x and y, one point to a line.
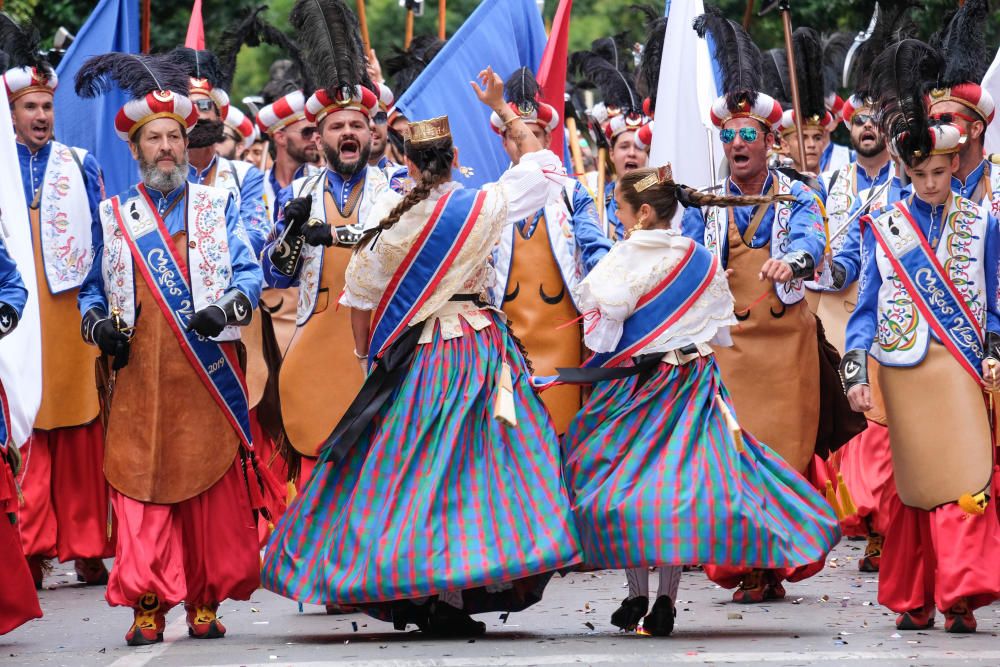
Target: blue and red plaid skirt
657	478
436	496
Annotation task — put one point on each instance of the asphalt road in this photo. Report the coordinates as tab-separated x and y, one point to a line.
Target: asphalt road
831	619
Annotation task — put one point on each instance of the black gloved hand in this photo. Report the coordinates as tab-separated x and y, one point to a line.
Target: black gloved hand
297	212
839	276
993	345
321	234
112	342
8	319
854	369
209	321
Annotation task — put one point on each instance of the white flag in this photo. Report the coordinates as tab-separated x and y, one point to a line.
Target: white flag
21	350
683	134
991	82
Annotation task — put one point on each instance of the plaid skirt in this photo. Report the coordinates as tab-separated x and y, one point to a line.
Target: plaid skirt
658	478
436	495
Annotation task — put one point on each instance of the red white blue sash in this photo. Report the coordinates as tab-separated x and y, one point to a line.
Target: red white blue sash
663	306
166	275
933	292
424	266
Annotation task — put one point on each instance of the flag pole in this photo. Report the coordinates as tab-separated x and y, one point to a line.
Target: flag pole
146	10
363	22
409	29
442	18
784	7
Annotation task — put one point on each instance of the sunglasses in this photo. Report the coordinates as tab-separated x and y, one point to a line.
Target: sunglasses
950	116
747	134
204	105
860	119
232	137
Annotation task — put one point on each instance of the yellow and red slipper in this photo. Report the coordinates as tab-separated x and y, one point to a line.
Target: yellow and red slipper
148	622
203	623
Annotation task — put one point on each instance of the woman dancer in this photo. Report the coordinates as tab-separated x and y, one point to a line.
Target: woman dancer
659	471
440	494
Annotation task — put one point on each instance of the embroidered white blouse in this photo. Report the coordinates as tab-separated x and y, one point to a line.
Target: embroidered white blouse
524	188
630	270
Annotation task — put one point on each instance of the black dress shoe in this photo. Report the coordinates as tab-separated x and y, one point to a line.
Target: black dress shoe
660	622
448	621
405	612
628	615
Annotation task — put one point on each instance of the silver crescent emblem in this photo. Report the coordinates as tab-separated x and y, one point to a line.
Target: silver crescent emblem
284	250
851	369
240	311
6	322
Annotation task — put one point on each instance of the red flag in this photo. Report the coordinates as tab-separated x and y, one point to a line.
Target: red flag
552	72
196	29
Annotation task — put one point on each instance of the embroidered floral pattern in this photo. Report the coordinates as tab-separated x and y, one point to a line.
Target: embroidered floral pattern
65	222
959	261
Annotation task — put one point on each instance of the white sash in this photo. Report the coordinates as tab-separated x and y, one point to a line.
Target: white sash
64	216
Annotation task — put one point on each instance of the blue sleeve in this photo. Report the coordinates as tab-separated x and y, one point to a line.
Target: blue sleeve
807	230
12	290
92	289
94	180
590	240
247	275
273	277
693	225
849	255
992	270
400	181
864	320
252	210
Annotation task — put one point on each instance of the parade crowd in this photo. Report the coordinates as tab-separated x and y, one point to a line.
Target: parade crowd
298	353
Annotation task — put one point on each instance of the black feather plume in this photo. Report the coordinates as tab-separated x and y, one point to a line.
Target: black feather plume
521	88
245	31
616	49
331	43
199	64
894	24
809	71
20	43
774	76
137	75
964	46
737	55
405	65
652	54
835	49
617	87
902	75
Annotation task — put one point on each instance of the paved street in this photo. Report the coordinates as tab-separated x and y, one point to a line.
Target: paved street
830	619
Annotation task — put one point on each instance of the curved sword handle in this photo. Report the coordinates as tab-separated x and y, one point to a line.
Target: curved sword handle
860	39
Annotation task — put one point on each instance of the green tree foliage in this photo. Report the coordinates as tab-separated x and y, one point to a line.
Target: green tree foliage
386	21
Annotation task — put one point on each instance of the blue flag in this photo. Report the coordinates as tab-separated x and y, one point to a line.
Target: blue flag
507	34
90	123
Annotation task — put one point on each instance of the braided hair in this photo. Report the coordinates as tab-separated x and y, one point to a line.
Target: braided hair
664	195
434	160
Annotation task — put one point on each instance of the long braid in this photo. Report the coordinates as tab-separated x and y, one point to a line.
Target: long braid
419	193
694	197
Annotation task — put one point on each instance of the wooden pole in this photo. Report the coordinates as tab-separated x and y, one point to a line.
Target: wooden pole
144	31
409	29
442	19
602	207
748	15
786	17
363	21
574	147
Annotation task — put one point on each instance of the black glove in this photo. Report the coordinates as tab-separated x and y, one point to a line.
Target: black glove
112	342
801	263
297	212
993	345
854	369
209	321
839	276
8	319
318	234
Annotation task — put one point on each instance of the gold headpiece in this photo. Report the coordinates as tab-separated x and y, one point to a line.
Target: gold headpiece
661	175
428	131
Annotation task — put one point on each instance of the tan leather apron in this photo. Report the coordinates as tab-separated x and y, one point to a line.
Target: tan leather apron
167	439
283	306
772	369
939	430
537	303
69	393
320	375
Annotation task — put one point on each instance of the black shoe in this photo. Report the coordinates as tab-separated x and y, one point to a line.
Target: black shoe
628	615
405	612
448	621
660	622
